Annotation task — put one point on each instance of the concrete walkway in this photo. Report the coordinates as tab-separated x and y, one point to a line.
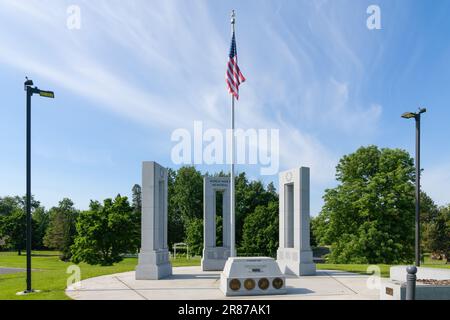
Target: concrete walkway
190	283
5	270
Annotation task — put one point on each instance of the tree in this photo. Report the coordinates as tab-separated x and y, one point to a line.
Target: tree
61	230
137	198
8	205
176	227
137	213
369	216
186	208
260	231
10	233
13	230
312	228
105	232
41	222
249	195
437	234
13	221
194	235
428	209
187	197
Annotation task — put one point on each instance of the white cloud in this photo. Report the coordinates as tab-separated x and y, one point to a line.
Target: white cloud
162	64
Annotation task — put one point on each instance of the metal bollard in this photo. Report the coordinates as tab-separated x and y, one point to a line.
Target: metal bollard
411	283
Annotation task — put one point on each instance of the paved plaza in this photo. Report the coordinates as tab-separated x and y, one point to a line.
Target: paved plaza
190	283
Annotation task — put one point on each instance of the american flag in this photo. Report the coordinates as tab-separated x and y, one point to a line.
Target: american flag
233	76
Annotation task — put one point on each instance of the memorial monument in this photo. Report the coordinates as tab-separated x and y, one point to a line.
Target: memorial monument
249	276
294	256
154	261
214	257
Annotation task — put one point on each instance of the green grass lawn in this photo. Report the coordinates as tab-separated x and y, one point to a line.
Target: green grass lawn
50	275
384	268
356	268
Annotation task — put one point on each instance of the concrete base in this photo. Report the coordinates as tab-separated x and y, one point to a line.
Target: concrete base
214	258
25	293
398	273
153	265
291	262
395	290
252	276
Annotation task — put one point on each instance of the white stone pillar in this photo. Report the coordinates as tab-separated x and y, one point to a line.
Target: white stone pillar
154	254
214	258
294	256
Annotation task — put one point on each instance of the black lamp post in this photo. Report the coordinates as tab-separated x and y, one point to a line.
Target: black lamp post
416	116
30	90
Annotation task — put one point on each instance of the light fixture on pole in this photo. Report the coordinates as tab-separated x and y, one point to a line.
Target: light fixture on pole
30	90
416	116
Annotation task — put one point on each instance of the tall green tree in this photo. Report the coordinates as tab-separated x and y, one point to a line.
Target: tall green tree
41	220
369	216
260	231
194	236
61	231
137	213
13	222
13	230
176	225
186	208
250	195
137	198
428	208
8	205
437	234
187	197
105	232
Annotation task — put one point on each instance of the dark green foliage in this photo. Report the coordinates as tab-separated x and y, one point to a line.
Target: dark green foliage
369	216
136	217
137	198
13	222
8	205
13	230
105	232
194	236
437	234
187	197
41	220
176	227
249	195
260	231
61	230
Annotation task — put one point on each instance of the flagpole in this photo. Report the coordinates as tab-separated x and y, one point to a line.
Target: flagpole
232	204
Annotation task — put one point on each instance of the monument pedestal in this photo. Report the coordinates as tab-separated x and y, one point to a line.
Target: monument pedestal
153	265
296	263
252	276
214	258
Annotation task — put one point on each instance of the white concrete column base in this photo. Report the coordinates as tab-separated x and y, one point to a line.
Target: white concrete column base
153	265
214	258
293	262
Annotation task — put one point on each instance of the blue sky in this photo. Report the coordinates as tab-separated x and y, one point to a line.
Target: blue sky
138	70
